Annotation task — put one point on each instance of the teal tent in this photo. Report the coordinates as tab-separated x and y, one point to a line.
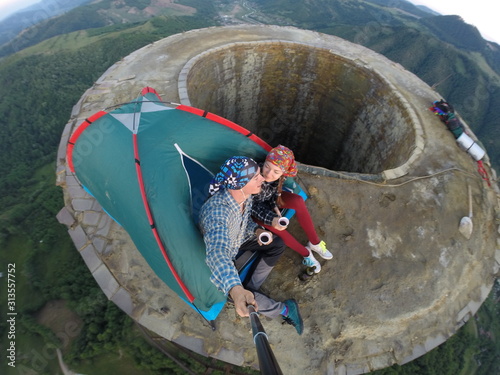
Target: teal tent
148	163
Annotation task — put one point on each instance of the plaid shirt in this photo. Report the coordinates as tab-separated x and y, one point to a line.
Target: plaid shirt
224	230
265	202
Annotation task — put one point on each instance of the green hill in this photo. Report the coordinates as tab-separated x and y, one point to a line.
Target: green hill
95	15
453	30
34	14
57	60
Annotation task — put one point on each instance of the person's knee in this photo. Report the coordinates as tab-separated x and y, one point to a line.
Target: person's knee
279	242
294	200
274	251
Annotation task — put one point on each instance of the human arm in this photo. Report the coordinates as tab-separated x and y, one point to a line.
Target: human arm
264	206
276	225
216	226
268	217
220	252
254	229
262	212
242	298
264	240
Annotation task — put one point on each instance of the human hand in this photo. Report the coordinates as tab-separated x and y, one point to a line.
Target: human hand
277	225
264	233
242	298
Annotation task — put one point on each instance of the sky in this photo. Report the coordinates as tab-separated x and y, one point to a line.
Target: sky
479	13
10	6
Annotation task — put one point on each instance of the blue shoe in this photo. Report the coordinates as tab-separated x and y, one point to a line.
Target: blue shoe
293	317
310	261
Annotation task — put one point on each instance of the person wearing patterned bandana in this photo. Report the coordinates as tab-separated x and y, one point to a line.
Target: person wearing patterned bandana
280	164
229	231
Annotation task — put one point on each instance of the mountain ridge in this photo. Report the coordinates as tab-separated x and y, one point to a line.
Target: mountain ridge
23	19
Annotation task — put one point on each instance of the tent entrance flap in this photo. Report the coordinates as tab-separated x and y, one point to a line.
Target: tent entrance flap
199	178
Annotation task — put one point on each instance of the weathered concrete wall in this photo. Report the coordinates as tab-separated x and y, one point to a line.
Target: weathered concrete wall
309	99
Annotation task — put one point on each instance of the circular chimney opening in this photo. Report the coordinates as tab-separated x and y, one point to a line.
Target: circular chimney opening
331	111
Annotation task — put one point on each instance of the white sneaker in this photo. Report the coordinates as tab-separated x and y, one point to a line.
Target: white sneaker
310	261
320	249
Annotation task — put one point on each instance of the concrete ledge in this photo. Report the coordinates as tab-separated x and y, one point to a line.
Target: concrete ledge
90	257
123	300
79	237
418	351
231	356
193	343
433	342
65	217
106	281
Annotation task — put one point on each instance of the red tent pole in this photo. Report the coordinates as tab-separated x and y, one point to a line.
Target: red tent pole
138	170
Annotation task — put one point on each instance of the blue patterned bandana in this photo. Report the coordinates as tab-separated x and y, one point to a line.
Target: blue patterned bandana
234	174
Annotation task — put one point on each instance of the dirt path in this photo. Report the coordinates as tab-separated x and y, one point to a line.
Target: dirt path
64	368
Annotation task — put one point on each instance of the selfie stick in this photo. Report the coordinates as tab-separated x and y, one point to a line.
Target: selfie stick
267	362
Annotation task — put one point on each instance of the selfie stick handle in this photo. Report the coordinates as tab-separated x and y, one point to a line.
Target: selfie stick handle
267	361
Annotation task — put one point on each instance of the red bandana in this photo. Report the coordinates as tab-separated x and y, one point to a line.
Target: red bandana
283	157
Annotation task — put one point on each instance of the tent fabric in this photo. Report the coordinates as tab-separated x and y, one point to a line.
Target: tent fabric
148	163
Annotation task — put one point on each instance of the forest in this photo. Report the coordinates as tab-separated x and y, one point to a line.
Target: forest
39	86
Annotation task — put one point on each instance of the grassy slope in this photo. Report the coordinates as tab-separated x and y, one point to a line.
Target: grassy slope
20	250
